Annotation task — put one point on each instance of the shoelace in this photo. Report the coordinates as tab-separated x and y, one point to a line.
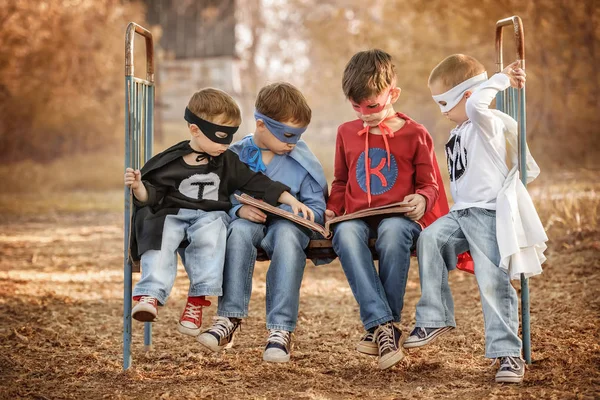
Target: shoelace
367	337
279	337
385	338
148	299
385	132
192	311
222	326
508	361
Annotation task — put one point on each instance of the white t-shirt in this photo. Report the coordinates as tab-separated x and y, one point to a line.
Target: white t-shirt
474	178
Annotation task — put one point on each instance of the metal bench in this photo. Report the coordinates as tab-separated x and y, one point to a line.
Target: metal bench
139	117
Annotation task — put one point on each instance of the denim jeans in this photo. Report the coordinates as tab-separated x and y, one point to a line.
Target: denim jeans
471	229
380	296
284	242
203	258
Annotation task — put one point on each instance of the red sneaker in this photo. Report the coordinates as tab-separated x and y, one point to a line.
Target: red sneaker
191	319
146	309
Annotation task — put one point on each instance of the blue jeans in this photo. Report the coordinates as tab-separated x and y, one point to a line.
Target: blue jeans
471	229
380	296
284	242
203	258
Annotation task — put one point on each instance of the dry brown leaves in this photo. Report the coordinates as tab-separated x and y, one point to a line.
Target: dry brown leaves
61	330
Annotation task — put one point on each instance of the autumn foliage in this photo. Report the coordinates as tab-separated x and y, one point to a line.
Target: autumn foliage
61	74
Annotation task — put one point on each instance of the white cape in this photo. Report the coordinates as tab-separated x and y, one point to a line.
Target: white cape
519	231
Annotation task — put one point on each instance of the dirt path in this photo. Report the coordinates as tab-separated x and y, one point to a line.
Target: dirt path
61	323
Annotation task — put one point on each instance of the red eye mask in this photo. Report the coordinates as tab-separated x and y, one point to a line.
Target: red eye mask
381	101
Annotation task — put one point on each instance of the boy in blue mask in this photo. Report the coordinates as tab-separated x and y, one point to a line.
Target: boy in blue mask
282	115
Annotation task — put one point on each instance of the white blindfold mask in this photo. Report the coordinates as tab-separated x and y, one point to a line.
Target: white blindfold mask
448	100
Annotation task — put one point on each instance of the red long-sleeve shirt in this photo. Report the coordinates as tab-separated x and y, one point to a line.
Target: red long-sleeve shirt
412	167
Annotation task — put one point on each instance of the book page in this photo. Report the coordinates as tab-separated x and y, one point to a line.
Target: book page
251	201
394	208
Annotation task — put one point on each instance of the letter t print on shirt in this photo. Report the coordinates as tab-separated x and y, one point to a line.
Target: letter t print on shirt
201	186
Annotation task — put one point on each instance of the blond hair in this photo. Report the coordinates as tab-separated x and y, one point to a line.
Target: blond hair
216	106
283	102
367	74
455	69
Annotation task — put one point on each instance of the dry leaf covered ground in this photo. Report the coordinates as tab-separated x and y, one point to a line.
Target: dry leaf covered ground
61	325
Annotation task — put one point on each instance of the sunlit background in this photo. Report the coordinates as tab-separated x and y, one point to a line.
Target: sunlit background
62	69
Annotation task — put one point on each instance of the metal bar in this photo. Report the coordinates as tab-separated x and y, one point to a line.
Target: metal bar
127	278
519	111
147	336
133	28
150	123
139	131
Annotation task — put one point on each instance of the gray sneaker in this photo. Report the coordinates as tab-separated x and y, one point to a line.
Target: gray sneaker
511	370
368	345
278	346
388	338
220	335
422	336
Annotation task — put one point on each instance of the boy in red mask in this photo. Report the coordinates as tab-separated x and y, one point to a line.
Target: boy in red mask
382	157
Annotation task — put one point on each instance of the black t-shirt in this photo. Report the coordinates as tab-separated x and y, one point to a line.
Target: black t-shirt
207	187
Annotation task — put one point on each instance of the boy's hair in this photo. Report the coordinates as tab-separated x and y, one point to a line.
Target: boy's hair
283	102
455	69
367	74
212	104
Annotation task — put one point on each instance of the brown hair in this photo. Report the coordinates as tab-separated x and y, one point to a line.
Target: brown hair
367	74
215	106
455	69
283	102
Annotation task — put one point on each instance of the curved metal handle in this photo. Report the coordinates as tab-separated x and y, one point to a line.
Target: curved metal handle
517	24
132	29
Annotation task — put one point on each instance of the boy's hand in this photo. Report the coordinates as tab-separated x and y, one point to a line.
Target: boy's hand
252	214
418	203
329	215
299	207
516	74
133	178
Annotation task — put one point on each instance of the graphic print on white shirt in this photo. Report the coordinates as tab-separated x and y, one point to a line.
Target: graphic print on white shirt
201	186
456	157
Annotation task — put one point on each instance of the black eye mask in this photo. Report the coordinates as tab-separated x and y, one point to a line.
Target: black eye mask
209	129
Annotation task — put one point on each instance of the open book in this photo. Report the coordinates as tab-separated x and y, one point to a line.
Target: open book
394	208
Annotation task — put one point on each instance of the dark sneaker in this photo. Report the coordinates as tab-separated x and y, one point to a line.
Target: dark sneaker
220	335
146	309
511	370
278	346
422	336
388	337
368	345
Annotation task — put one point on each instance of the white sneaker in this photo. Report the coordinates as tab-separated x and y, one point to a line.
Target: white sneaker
278	346
146	309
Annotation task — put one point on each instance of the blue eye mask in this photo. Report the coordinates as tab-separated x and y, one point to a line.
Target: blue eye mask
280	130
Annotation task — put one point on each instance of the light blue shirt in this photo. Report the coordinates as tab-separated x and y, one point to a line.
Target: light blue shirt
289	171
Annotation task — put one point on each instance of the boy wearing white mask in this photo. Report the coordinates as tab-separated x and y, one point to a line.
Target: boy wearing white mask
459	85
